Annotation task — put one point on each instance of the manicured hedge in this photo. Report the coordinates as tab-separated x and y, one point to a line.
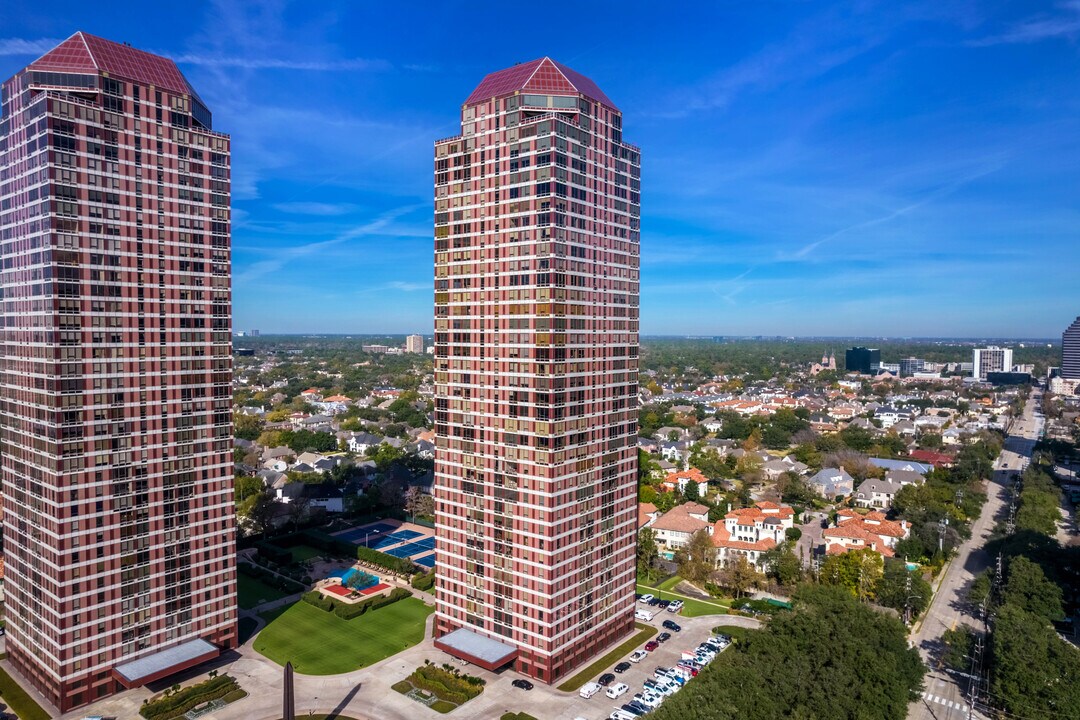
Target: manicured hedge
348	611
447	684
401	566
424	582
172	706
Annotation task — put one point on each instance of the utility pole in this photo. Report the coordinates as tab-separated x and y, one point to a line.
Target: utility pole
942	525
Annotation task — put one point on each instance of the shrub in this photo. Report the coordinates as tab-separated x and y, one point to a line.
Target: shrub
178	703
400	566
273	553
424	582
348	611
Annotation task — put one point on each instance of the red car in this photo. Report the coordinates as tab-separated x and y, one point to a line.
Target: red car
651	645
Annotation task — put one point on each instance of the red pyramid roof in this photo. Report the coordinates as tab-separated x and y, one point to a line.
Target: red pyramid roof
82	53
539	76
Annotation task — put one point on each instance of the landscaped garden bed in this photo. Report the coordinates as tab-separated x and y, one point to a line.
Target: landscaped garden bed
175	702
440	688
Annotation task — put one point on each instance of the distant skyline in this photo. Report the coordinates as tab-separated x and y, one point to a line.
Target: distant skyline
899	169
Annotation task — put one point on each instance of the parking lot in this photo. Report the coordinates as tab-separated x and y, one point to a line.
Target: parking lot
547	703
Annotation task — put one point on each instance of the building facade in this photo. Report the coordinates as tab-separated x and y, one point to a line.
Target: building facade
990	359
115	384
862	360
537	211
414	344
1070	351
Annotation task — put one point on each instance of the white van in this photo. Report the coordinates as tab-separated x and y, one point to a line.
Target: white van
589	690
643	615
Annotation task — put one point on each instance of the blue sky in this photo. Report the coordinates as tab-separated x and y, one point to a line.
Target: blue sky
809	168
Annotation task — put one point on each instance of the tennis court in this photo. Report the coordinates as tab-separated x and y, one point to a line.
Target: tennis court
427	561
366	533
414	548
392	539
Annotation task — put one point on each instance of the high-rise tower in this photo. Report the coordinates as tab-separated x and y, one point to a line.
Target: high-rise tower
537	215
1070	351
116	369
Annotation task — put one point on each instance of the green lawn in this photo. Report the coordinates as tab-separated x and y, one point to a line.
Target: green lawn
321	643
252	591
691	606
737	632
18	701
639	638
300	553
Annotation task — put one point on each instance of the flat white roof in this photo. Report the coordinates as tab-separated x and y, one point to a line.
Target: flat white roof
164	659
478	646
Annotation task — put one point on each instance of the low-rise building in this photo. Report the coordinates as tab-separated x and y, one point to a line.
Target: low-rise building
875	493
855	532
751	532
832	482
674	528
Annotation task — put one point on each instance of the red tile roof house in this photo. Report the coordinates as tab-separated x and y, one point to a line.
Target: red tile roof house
684	477
855	532
674	528
647	514
751	532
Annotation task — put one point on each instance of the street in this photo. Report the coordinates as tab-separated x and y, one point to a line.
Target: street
947	696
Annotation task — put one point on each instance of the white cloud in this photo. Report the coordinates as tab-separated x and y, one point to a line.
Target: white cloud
20	46
315	208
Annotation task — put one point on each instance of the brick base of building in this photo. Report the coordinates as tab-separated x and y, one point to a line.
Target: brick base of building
91	687
548	669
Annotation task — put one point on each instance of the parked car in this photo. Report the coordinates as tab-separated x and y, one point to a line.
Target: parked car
663	637
633	711
663	603
605	679
622	667
523	684
638	656
647	598
672	626
651	645
675	606
616	690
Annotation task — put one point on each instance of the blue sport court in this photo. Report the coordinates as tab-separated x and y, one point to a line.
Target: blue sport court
392	539
413	548
370	532
427	561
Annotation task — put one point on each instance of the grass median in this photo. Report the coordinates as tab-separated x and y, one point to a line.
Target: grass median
644	633
692	607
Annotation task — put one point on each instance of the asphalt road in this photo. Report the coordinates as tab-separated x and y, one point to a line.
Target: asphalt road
947	694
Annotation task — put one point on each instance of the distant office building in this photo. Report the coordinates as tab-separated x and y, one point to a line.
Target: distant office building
375	349
1008	378
537	216
414	344
862	360
990	359
910	366
115	373
253	333
1070	352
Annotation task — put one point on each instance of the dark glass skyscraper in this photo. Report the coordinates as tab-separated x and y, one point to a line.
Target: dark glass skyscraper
862	360
1070	351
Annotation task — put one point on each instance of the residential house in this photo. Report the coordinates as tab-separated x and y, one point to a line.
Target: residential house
889	464
933	459
904	477
751	532
647	515
776	467
674	528
360	443
874	493
831	482
889	415
713	425
671	433
683	478
854	532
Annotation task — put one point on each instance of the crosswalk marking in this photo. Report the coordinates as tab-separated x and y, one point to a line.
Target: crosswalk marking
942	701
